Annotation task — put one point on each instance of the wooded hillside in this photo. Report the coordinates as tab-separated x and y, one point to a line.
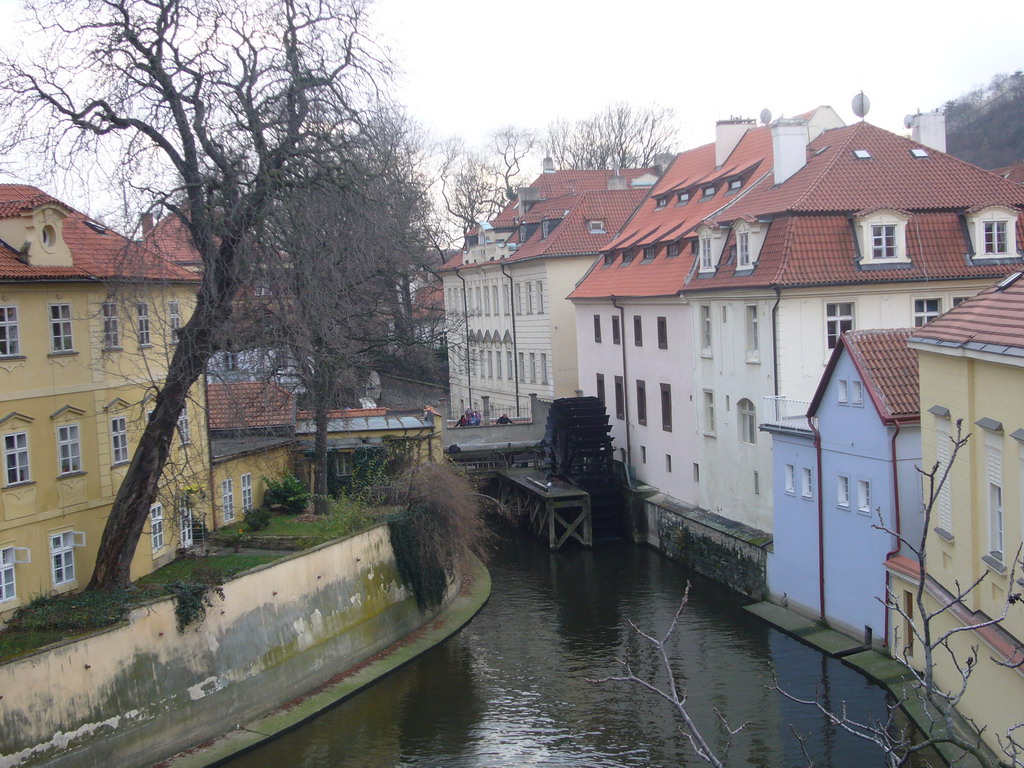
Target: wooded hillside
986	126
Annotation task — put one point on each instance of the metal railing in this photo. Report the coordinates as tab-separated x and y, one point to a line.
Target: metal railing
782	411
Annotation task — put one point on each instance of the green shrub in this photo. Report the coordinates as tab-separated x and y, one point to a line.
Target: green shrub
191	599
74	613
257	519
345	515
288	492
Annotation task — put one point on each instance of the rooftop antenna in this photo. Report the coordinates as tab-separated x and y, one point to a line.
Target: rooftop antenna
861	104
766	116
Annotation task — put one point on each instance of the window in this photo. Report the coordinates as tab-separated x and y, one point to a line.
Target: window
522	366
627	255
757	483
616	335
943	453
69	449
519	298
185	523
709	412
60	328
696	472
597	329
156	526
668	463
641	402
595	227
666	407
660	202
111	328
540	297
487	301
994	238
609	258
662	333
843	491
705	330
620	397
753	343
490	364
142	313
227	499
994	474
843	393
600	388
246	493
174	319
638	330
864	497
649	252
806	488
16	458
856	392
62	555
505	303
743	249
497	364
529	298
672	251
118	440
183	431
9	346
682	198
708	191
790	479
883	241
838	320
706	264
543	368
926	310
643	454
494	298
510	369
533	367
748	421
10	557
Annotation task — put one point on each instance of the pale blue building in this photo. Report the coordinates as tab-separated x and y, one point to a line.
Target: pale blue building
841	475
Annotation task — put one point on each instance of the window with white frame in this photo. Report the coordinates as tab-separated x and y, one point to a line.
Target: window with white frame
883	241
62	555
709	412
864	497
510	369
183	429
926	310
994	241
69	449
616	331
119	439
186	539
227	499
10	557
994	232
843	392
60	328
838	320
487	300
522	366
540	297
519	298
156	526
543	368
806	484
843	491
994	475
490	364
790	479
748	421
142	319
9	343
174	319
856	392
494	298
497	364
706	262
705	330
943	454
506	306
753	343
529	298
111	326
533	367
883	237
246	493
16	458
743	249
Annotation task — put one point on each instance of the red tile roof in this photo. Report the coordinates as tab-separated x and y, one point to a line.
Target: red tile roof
171	240
889	368
992	321
1014	173
95	254
249	405
346	413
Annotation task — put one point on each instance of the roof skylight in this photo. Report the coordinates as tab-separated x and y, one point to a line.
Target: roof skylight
862	154
918	152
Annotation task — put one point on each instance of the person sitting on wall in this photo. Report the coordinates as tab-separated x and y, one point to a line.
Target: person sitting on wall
462	422
474	418
504	419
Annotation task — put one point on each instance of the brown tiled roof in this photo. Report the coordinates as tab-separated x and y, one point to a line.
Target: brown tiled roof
889	368
1014	173
172	241
346	413
249	405
992	321
94	254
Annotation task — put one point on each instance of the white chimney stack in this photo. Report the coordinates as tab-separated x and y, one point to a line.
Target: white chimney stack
789	147
727	135
929	129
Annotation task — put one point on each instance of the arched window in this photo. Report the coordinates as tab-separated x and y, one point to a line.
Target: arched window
748	421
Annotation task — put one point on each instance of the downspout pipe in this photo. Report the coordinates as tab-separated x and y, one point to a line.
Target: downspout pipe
625	388
897	529
465	323
515	340
775	339
821	520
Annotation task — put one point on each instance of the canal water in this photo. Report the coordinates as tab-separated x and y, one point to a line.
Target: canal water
515	687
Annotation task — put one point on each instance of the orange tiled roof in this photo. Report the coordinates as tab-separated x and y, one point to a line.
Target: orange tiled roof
95	254
1014	173
992	321
346	413
889	368
171	239
249	404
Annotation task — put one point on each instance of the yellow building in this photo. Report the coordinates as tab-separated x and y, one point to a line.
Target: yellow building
87	323
972	369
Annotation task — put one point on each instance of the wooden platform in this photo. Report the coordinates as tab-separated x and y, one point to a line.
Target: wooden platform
558	510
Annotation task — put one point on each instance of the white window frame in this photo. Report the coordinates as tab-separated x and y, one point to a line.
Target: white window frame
69	449
864	496
994	478
747	412
529	297
708	400
61	335
856	392
883	242
522	367
62	556
789	481
540	297
926	309
10	344
185	517
16	459
497	365
227	499
706	258
943	454
840	316
544	368
510	369
142	323
706	337
246	481
753	342
806	483
994	238
985	222
533	367
843	491
184	433
10	557
156	527
884	238
843	392
111	326
174	319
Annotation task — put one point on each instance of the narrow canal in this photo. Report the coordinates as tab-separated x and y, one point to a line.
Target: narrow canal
512	688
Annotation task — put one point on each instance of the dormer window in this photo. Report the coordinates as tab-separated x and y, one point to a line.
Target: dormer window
743	249
749	238
649	252
673	250
735	185
48	237
660	202
627	255
994	233
545	229
609	258
595	227
883	238
883	241
682	198
709	191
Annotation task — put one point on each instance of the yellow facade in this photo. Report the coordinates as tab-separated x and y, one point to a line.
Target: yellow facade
977	524
80	360
238	484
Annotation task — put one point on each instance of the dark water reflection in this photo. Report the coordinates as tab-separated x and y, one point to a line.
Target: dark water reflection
512	689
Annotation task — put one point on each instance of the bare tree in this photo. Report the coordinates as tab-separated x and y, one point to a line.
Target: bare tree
220	107
619	136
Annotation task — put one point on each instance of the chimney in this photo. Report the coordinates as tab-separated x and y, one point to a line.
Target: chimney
929	129
147	223
662	161
727	135
617	180
527	197
549	165
789	147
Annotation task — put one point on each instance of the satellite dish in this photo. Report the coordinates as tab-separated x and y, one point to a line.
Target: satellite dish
908	121
766	116
861	105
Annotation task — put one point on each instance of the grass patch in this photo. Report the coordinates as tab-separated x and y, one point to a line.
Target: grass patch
206	570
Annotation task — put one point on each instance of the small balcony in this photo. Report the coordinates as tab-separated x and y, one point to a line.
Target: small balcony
783	412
